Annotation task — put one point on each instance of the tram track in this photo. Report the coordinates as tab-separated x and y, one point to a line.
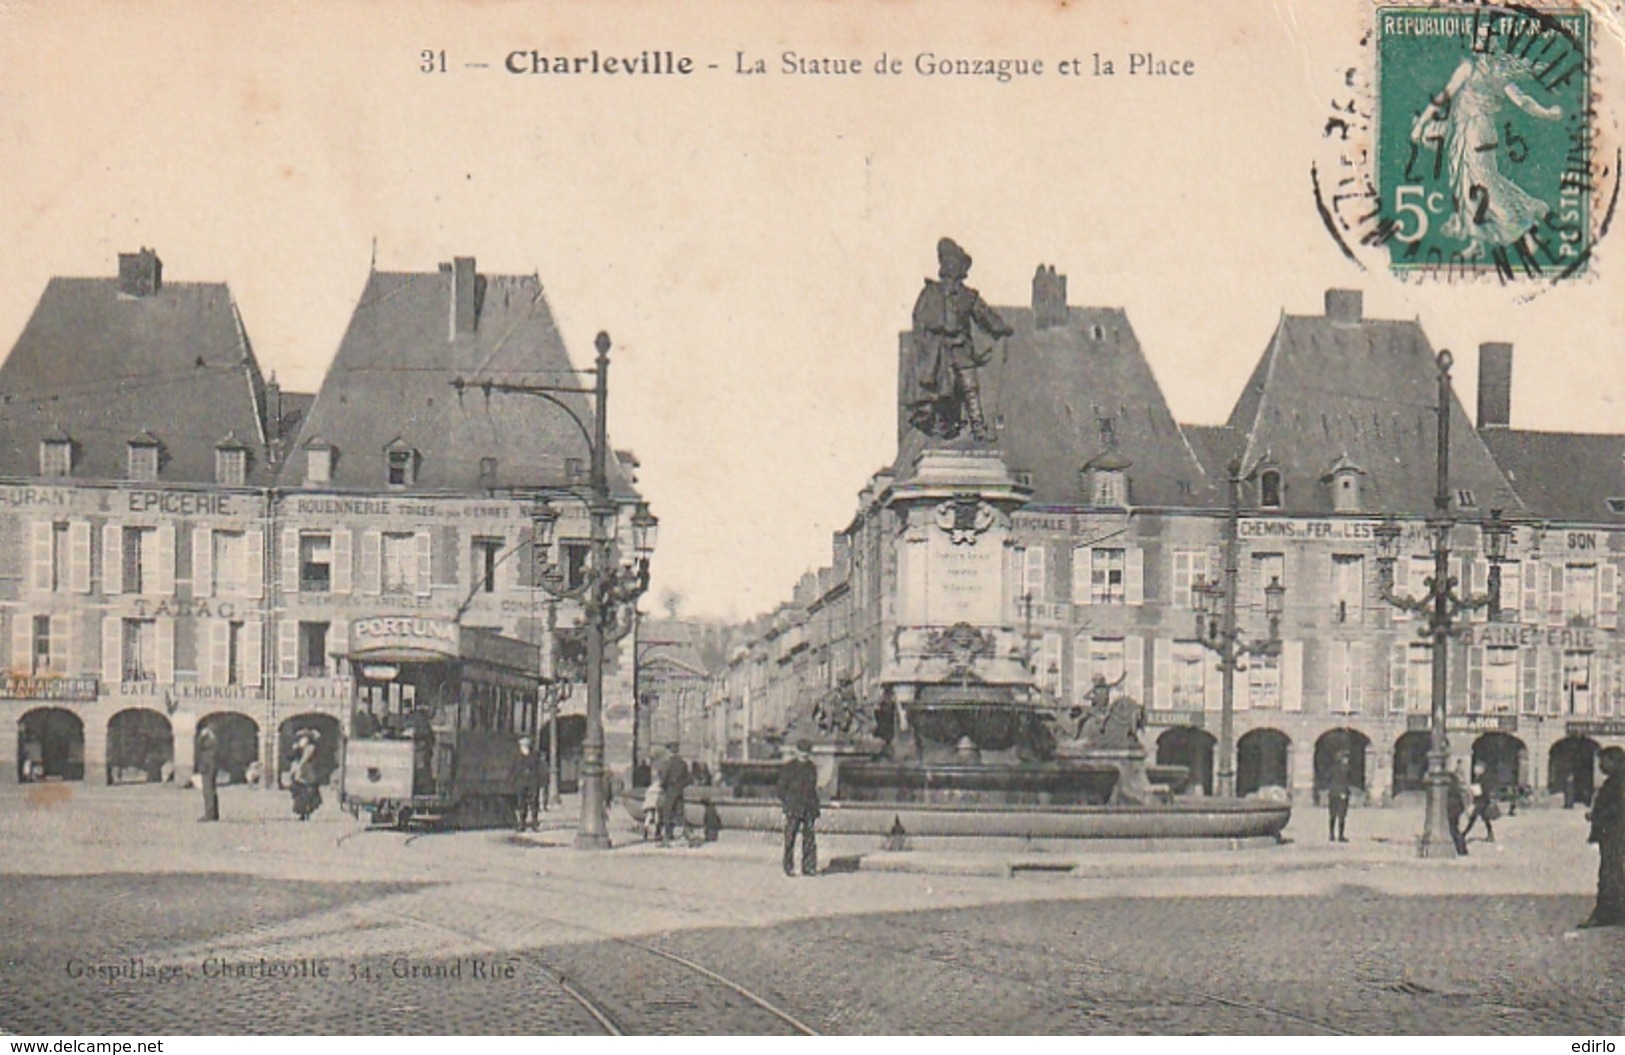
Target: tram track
868	949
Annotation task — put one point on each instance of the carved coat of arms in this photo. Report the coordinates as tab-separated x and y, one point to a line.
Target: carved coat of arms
964	517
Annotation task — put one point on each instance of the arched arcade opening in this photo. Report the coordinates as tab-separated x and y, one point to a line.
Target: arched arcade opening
1503	757
140	747
1261	760
238	736
1327	747
1411	762
1571	769
1188	746
50	745
328	740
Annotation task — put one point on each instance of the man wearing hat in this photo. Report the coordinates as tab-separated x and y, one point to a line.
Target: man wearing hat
526	776
207	766
798	794
948	396
673	780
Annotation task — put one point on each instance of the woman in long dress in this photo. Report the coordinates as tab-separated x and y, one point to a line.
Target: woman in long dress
307	794
1464	119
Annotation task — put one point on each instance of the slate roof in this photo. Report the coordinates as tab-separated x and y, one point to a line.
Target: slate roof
1365	390
1061	396
103	367
1215	446
391	383
1566	476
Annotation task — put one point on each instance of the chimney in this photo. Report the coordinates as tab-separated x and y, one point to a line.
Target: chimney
1344	305
1494	385
273	409
140	274
1049	298
464	304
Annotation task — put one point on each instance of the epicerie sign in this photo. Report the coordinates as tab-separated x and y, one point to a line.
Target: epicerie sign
404	632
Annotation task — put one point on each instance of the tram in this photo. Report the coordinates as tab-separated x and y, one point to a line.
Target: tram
435	721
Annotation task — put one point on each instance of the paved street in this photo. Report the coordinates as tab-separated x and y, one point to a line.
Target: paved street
261	924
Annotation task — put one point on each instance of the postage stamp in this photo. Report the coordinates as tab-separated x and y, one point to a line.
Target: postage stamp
1483	141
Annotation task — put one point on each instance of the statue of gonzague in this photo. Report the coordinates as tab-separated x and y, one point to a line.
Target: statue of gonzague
947	397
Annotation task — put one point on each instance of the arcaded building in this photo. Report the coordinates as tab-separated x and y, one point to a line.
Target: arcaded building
1332	435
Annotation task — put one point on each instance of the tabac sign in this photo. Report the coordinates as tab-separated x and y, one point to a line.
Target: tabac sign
387	633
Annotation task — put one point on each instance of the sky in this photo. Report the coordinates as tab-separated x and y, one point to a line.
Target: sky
753	243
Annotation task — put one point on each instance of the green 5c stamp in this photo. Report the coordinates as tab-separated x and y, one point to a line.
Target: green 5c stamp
1483	140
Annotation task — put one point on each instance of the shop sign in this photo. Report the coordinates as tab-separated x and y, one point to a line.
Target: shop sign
1274	529
1596	727
1517	635
29	687
1195	718
1465	723
410	632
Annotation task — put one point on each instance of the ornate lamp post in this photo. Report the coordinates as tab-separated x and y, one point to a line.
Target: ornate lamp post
1440	607
609	590
1215	604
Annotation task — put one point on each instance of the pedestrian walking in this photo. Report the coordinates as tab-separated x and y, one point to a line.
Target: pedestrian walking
302	778
798	794
1607	816
207	765
525	776
1484	794
651	811
1455	806
673	781
1337	799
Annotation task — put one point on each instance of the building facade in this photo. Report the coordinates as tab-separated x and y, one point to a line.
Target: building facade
192	544
1333	435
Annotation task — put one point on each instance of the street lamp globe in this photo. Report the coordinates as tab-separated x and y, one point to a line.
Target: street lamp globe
645	529
544	517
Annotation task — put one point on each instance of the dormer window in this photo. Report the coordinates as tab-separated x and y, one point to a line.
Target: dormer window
1105	480
56	456
142	458
318	464
231	461
1344	481
401	462
1269	489
488	471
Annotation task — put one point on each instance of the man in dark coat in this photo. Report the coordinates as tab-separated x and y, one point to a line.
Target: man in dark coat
798	794
1337	798
1608	832
1484	793
526	776
1456	805
207	765
674	776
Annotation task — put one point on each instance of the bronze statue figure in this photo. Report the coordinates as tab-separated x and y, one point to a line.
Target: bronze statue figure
947	396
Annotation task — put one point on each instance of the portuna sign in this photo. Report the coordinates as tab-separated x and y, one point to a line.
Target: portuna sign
406	627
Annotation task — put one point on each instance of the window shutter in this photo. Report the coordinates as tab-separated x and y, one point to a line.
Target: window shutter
1529	677
218	660
1607	596
254	564
1481	582
1162	685
202	561
43	531
1082	660
79	556
1083	569
1398	664
1603	685
1551	680
290	561
1212	683
341	560
1292	675
165	626
112	558
287	649
1511	588
1134	576
338	643
1033	579
425	553
1134	667
22	643
253	653
372	545
164	580
1179	583
1357	676
1554	595
1337	677
1402	587
1475	679
1533	609
112	651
